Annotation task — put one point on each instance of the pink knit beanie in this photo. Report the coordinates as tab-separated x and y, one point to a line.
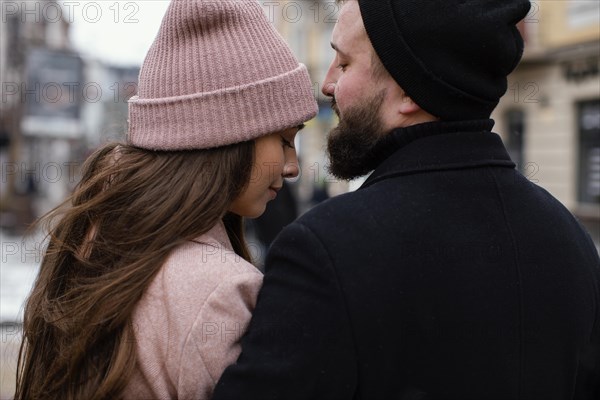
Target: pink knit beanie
217	73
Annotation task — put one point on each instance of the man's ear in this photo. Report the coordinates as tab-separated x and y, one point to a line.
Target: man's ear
401	110
407	106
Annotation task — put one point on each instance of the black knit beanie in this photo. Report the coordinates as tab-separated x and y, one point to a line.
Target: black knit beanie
450	56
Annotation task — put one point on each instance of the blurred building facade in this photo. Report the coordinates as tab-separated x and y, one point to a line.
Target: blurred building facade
550	116
55	107
34	47
307	26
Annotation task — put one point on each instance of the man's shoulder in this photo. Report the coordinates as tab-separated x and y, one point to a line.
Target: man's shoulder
330	210
338	218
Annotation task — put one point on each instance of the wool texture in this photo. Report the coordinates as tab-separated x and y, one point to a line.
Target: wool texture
217	73
451	57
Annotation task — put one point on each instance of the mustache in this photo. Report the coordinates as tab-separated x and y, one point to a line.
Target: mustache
334	106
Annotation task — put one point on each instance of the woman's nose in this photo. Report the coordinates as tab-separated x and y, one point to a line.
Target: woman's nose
291	168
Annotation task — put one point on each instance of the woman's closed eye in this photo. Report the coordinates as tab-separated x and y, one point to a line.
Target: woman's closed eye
287	143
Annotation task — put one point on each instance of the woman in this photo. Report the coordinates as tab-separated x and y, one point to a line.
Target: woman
146	285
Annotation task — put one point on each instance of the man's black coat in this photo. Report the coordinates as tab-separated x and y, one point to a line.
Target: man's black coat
447	275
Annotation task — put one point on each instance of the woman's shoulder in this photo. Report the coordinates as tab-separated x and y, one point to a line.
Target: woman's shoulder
190	318
209	258
197	268
193	272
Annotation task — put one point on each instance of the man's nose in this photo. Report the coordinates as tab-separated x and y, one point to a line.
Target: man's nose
329	82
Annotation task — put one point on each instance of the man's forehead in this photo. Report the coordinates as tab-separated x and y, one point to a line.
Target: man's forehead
350	14
350	27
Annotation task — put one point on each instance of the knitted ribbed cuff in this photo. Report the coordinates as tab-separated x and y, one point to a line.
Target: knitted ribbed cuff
222	117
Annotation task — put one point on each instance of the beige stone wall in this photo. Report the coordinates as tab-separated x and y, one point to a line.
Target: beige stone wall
551	131
567	22
558	32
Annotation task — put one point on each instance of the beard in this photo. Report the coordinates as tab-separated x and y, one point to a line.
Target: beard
351	144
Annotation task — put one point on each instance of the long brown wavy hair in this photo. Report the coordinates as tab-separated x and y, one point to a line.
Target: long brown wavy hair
106	243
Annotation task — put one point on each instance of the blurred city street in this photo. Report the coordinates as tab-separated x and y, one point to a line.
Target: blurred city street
20	263
9	350
18	268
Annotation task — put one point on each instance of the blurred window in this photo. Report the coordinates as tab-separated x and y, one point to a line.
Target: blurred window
515	123
582	14
13	47
589	151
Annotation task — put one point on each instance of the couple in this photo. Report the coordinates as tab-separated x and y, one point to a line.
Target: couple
447	275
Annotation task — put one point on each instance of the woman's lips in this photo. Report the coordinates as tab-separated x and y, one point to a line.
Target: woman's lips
273	191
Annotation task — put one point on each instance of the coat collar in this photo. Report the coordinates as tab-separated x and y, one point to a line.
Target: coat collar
216	236
439	146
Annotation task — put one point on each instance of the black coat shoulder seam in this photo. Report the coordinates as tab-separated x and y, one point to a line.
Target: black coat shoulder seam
340	289
519	283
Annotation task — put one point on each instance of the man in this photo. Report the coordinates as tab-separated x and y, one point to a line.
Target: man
447	275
